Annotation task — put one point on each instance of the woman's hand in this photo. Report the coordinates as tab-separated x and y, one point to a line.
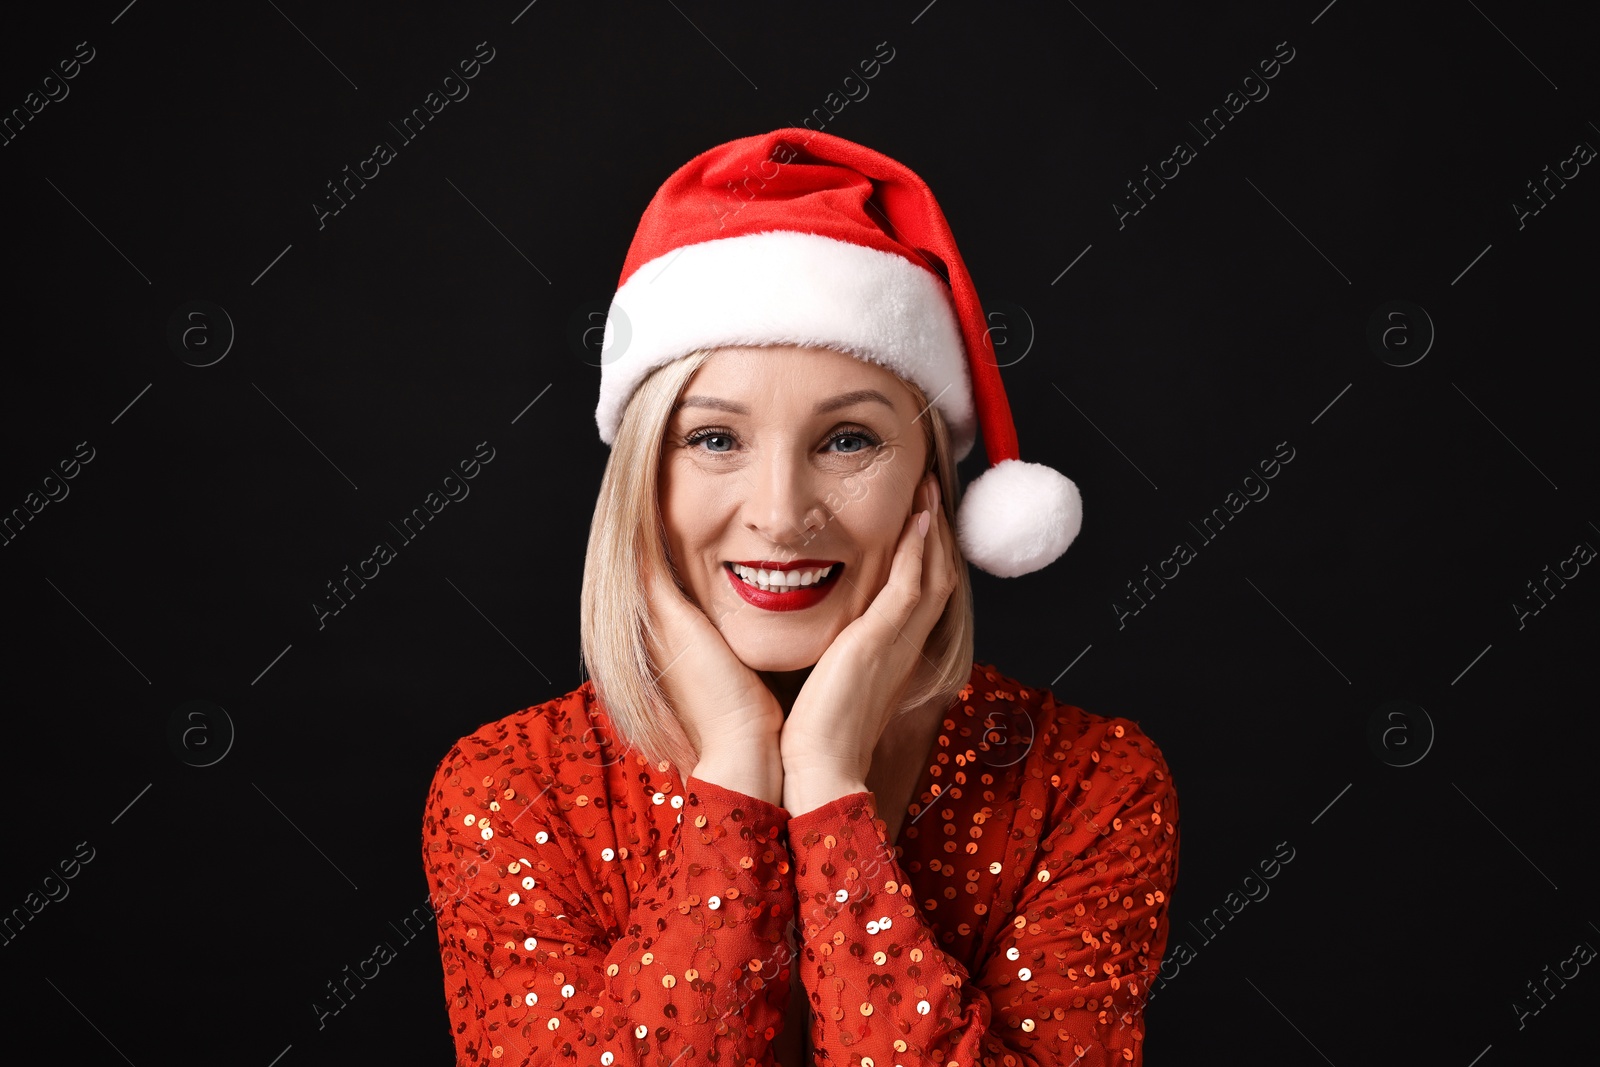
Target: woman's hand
728	712
851	694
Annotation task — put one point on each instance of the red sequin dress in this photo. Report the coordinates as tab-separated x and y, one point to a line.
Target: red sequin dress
594	909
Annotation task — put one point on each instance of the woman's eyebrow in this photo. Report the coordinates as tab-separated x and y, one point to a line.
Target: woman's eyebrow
715	403
843	400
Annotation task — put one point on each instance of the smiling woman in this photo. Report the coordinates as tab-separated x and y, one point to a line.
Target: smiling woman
719	846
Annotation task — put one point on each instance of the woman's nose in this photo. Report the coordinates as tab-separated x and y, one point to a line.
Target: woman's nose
784	504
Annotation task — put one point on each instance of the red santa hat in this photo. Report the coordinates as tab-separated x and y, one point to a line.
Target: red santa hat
804	238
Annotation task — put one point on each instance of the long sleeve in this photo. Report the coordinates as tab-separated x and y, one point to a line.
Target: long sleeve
1064	983
543	961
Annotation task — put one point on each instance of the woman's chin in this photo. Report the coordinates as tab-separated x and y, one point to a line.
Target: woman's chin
776	656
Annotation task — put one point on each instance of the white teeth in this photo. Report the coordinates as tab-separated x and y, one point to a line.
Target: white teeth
776	581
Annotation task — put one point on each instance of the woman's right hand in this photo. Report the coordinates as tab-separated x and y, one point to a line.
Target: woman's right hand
733	719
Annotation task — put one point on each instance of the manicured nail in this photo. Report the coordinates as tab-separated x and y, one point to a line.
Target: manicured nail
922	523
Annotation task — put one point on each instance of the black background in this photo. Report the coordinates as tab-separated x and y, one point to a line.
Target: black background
374	353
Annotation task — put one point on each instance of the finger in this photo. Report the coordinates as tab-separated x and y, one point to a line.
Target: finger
936	576
904	587
941	560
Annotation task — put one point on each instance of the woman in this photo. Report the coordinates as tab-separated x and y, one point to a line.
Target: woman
717	848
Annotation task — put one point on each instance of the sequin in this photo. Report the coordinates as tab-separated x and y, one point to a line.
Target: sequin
1028	885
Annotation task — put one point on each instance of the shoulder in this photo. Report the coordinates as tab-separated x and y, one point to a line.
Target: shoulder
519	791
1064	742
515	750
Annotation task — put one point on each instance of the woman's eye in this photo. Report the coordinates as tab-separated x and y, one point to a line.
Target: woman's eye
860	441
696	439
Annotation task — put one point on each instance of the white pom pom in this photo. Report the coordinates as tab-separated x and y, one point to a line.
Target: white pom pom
1017	517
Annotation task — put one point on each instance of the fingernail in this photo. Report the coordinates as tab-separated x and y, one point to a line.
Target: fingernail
922	523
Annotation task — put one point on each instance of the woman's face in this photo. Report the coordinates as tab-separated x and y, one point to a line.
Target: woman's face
796	457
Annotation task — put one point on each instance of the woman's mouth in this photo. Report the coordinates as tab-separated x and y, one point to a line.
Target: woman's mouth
791	587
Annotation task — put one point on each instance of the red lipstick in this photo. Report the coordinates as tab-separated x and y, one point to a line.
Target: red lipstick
796	599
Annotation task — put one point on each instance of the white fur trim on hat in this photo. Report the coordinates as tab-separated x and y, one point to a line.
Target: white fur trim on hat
786	287
1017	517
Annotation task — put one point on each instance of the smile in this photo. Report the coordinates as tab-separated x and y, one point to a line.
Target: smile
784	587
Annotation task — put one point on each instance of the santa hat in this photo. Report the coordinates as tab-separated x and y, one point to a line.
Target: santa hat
804	238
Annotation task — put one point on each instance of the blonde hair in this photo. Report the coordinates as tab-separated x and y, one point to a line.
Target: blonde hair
628	535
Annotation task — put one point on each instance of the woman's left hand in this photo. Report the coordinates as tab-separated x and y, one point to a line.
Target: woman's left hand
851	694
